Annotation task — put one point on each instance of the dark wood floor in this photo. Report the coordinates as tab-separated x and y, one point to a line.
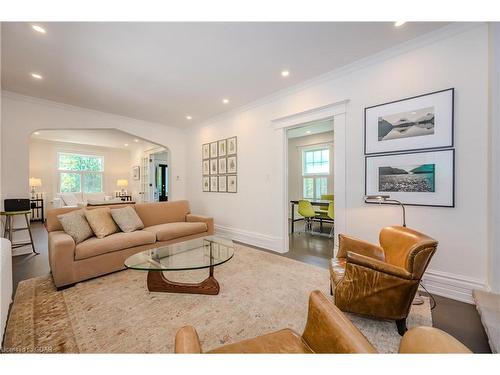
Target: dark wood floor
457	318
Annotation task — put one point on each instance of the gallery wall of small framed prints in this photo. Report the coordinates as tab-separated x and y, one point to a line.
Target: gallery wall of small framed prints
220	166
409	152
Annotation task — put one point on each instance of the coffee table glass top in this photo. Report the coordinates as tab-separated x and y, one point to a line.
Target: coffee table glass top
199	253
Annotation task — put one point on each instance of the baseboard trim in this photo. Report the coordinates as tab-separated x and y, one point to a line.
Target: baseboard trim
452	286
252	238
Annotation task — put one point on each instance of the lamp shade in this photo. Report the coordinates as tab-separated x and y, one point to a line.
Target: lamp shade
122	183
35	181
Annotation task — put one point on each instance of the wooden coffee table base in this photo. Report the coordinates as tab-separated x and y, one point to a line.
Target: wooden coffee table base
157	282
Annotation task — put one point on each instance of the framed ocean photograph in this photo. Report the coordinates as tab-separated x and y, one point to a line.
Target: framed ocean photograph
423	178
205	151
418	123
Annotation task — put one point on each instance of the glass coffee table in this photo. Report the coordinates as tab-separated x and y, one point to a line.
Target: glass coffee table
204	252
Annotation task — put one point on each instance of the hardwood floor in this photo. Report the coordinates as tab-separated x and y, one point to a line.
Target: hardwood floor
457	318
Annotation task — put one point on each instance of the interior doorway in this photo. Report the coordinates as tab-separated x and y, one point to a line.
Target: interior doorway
161	182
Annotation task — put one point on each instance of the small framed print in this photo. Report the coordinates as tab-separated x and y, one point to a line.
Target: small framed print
206	167
136	172
205	151
231	164
213	149
231	184
222	166
222	147
231	146
213	166
213	184
206	183
222	184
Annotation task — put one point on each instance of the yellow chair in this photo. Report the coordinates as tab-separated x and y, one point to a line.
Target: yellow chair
307	211
325	197
331	215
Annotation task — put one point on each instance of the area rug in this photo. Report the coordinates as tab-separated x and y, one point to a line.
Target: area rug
260	293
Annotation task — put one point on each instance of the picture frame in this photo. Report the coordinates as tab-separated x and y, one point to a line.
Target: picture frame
213	149
232	184
232	166
222	184
222	147
420	178
205	151
222	165
213	184
213	166
206	183
422	122
232	146
136	172
206	167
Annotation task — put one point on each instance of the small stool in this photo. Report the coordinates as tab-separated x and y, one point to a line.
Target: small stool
9	229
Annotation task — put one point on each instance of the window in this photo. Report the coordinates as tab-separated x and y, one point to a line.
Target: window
315	172
80	173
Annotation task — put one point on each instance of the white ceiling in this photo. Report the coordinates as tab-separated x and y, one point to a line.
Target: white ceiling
95	137
162	72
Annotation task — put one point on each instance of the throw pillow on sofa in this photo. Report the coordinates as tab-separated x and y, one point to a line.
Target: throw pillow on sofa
127	219
75	224
101	222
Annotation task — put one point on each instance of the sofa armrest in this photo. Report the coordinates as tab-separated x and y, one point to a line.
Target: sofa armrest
187	341
377	265
204	219
61	257
347	243
57	203
425	340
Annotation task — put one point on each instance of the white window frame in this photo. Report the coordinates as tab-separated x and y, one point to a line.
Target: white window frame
315	176
81	173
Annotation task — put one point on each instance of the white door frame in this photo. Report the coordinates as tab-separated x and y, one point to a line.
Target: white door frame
337	112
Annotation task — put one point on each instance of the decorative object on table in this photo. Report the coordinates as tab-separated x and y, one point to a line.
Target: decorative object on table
213	184
136	172
222	147
205	151
206	183
222	165
206	167
423	178
34	183
37	205
213	149
122	184
13	208
213	166
231	184
416	123
231	164
386	198
222	184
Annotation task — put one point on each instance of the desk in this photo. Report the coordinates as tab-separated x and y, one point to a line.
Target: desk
314	202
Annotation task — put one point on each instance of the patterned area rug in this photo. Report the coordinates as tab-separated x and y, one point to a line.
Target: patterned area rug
260	293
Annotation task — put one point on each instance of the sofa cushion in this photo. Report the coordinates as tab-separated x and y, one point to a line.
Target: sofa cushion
118	241
69	199
101	222
75	224
170	231
162	212
127	219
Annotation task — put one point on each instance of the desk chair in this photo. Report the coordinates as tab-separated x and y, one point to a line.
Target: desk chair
307	211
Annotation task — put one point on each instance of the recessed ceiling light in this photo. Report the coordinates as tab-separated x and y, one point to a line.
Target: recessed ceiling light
189	117
285	73
38	29
136	140
36	133
308	132
126	144
36	75
399	23
225	101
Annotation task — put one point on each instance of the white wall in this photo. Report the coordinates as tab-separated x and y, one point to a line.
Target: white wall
43	164
22	115
451	58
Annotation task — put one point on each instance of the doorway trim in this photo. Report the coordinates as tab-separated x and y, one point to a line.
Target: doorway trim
337	112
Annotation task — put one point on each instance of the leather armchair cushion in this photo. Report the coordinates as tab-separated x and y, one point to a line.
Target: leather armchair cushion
378	265
170	231
337	269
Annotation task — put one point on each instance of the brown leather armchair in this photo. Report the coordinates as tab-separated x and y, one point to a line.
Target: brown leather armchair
381	281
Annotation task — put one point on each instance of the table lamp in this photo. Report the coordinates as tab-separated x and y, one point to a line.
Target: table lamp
122	184
34	183
386	198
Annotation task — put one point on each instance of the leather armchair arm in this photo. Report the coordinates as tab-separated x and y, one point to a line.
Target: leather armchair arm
204	219
430	340
187	341
347	244
377	265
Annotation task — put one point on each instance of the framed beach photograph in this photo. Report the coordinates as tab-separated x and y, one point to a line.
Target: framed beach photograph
423	178
231	164
213	184
231	146
213	166
417	123
222	147
222	166
206	183
213	149
206	167
222	184
205	151
231	184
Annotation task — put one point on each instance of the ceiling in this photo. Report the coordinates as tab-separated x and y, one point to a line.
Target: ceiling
311	129
95	137
163	72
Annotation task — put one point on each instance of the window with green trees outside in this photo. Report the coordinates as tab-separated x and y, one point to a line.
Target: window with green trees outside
80	173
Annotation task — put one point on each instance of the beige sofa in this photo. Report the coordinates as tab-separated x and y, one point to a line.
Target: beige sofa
164	223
